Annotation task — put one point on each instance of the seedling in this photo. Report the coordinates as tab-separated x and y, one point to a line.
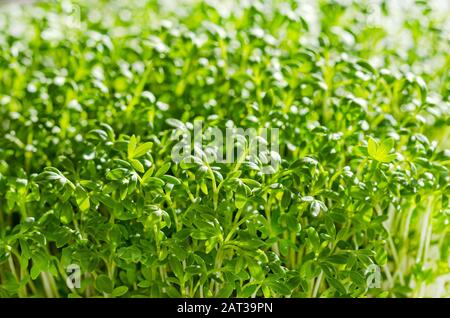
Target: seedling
93	204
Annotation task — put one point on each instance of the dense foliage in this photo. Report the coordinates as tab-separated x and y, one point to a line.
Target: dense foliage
93	97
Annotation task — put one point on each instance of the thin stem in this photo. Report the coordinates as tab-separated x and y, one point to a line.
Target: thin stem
317	285
46	284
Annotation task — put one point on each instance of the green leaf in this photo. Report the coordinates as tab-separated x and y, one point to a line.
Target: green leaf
337	285
380	152
82	198
172	292
163	169
255	270
249	290
147	175
176	267
142	149
108	201
132	146
286	199
381	255
103	284
171	180
40	264
338	258
251	182
145	284
117	174
279	288
120	291
313	238
153	181
130	254
357	278
422	88
137	165
372	147
330	227
240	200
226	291
97	134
